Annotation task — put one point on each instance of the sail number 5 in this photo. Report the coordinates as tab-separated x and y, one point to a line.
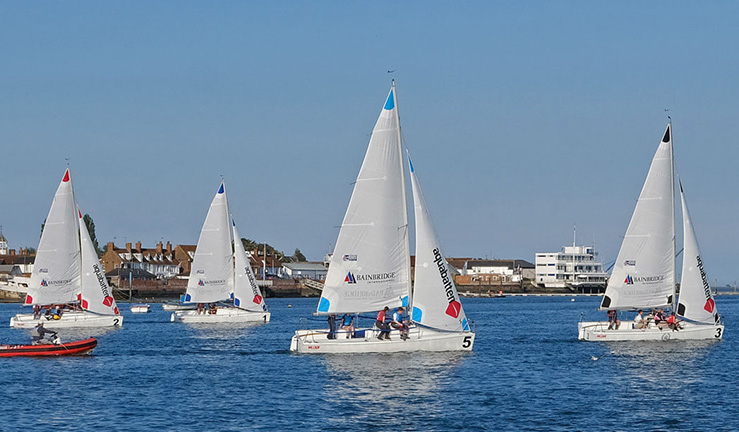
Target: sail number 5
467	341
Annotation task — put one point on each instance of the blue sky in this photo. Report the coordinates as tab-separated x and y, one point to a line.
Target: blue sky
523	118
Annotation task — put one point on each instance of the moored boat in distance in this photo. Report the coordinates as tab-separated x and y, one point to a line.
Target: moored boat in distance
644	273
67	275
370	266
80	347
140	308
220	271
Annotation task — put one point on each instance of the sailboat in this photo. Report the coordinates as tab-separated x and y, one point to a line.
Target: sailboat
67	271
221	272
370	266
644	273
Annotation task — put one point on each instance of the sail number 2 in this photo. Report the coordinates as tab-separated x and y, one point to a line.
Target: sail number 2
467	341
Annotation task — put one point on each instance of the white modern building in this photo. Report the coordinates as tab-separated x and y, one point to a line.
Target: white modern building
574	267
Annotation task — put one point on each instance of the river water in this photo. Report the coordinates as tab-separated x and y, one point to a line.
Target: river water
527	372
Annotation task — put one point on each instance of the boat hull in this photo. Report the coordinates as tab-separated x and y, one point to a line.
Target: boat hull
597	331
42	350
222	315
419	339
68	320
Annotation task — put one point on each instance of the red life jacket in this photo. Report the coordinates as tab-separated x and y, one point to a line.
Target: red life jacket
381	316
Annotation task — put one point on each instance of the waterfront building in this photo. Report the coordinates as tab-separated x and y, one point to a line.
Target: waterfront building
159	261
305	270
574	267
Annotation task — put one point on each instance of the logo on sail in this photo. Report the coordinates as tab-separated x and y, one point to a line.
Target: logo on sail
350	278
210	282
44	283
257	299
706	285
710	305
454	308
200	282
630	263
349	258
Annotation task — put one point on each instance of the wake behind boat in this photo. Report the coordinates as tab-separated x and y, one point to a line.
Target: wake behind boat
644	273
67	276
221	271
370	267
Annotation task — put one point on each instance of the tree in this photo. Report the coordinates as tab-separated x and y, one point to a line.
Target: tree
298	256
90	224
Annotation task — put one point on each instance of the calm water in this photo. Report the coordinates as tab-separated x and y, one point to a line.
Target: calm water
527	372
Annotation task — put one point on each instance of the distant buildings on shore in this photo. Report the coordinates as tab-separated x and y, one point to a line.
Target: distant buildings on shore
574	267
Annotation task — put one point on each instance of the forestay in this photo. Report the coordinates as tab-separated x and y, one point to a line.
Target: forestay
56	272
96	295
370	266
211	274
246	291
696	300
644	273
435	300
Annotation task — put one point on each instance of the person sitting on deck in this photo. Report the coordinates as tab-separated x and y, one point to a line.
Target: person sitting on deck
399	322
36	311
201	308
347	324
212	309
639	322
659	319
382	324
40	333
613	322
673	322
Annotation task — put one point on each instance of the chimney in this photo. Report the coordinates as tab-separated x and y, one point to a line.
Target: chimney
159	248
128	246
12	252
169	247
138	246
111	246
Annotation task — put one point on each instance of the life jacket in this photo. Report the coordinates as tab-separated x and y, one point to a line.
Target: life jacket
381	316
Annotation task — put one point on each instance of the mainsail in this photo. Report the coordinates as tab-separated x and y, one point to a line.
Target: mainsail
370	266
246	291
644	273
211	274
56	272
434	290
96	295
696	300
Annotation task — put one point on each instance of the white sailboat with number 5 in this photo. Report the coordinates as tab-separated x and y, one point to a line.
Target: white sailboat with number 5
370	267
68	287
644	273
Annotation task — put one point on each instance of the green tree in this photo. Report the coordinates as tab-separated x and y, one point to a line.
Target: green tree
298	256
90	224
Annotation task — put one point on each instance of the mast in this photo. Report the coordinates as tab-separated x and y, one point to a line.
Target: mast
407	257
672	188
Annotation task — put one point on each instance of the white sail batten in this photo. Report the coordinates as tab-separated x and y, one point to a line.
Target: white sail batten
696	300
644	273
369	268
96	295
247	294
211	274
435	299
56	272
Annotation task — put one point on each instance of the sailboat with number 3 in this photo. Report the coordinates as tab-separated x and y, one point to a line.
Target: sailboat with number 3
370	266
644	273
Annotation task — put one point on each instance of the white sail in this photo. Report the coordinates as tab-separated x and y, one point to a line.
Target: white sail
246	291
96	295
56	272
211	274
435	299
370	266
696	300
644	273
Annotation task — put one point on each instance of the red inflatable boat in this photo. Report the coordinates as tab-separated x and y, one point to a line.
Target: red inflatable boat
63	349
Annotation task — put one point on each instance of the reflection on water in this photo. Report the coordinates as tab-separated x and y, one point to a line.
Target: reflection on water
365	386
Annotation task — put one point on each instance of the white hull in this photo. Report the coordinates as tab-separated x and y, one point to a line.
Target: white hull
598	331
145	308
177	307
68	320
222	315
420	339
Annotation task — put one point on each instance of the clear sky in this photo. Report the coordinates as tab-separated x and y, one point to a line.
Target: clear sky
523	118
